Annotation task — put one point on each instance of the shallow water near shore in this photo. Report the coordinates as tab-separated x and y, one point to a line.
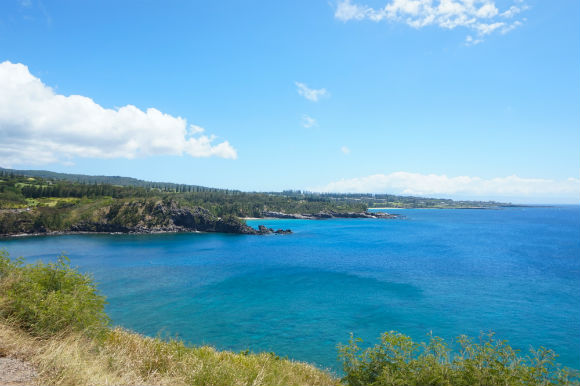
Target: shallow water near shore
515	271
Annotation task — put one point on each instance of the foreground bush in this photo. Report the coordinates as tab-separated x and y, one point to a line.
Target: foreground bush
397	360
45	299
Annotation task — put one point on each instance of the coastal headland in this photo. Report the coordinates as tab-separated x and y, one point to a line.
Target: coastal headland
147	217
56	205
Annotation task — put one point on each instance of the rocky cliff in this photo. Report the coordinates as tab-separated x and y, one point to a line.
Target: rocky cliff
135	216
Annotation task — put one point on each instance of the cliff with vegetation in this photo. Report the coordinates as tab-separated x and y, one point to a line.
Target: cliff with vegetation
32	205
121	216
221	201
42	202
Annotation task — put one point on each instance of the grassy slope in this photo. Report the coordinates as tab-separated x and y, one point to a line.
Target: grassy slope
125	358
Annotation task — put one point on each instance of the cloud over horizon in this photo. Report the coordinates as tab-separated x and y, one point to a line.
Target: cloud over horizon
482	17
39	126
412	184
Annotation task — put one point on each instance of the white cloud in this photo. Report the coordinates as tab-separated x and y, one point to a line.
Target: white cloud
347	11
471	41
194	129
309	93
308	121
486	29
345	150
526	189
513	11
507	28
481	16
40	126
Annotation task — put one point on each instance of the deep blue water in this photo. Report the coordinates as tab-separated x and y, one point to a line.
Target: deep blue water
514	271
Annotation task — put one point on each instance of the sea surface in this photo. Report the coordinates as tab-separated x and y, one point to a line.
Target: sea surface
513	271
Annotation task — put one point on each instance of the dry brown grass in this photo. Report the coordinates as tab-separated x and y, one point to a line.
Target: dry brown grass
125	358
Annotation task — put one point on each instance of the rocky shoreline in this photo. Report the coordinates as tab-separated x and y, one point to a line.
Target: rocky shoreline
262	230
330	214
142	218
146	217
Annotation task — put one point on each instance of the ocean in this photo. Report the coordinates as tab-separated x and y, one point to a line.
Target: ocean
513	271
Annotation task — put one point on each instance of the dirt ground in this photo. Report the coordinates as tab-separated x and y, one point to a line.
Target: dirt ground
15	372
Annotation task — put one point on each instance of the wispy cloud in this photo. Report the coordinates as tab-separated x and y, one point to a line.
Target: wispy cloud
480	16
40	126
471	41
514	10
35	11
308	121
464	186
345	150
309	93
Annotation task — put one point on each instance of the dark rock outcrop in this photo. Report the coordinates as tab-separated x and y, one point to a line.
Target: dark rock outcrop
265	230
99	228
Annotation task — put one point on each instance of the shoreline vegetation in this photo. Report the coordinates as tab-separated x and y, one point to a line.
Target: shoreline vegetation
52	318
36	202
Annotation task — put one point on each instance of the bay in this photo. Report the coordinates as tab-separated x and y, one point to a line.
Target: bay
514	271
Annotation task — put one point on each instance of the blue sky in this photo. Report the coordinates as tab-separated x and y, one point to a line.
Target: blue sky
464	98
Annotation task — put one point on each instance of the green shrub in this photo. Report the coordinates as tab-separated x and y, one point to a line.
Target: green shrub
50	298
398	360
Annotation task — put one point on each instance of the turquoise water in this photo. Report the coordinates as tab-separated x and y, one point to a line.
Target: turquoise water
514	271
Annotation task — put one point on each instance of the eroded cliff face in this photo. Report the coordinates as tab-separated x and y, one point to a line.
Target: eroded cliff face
140	216
162	216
